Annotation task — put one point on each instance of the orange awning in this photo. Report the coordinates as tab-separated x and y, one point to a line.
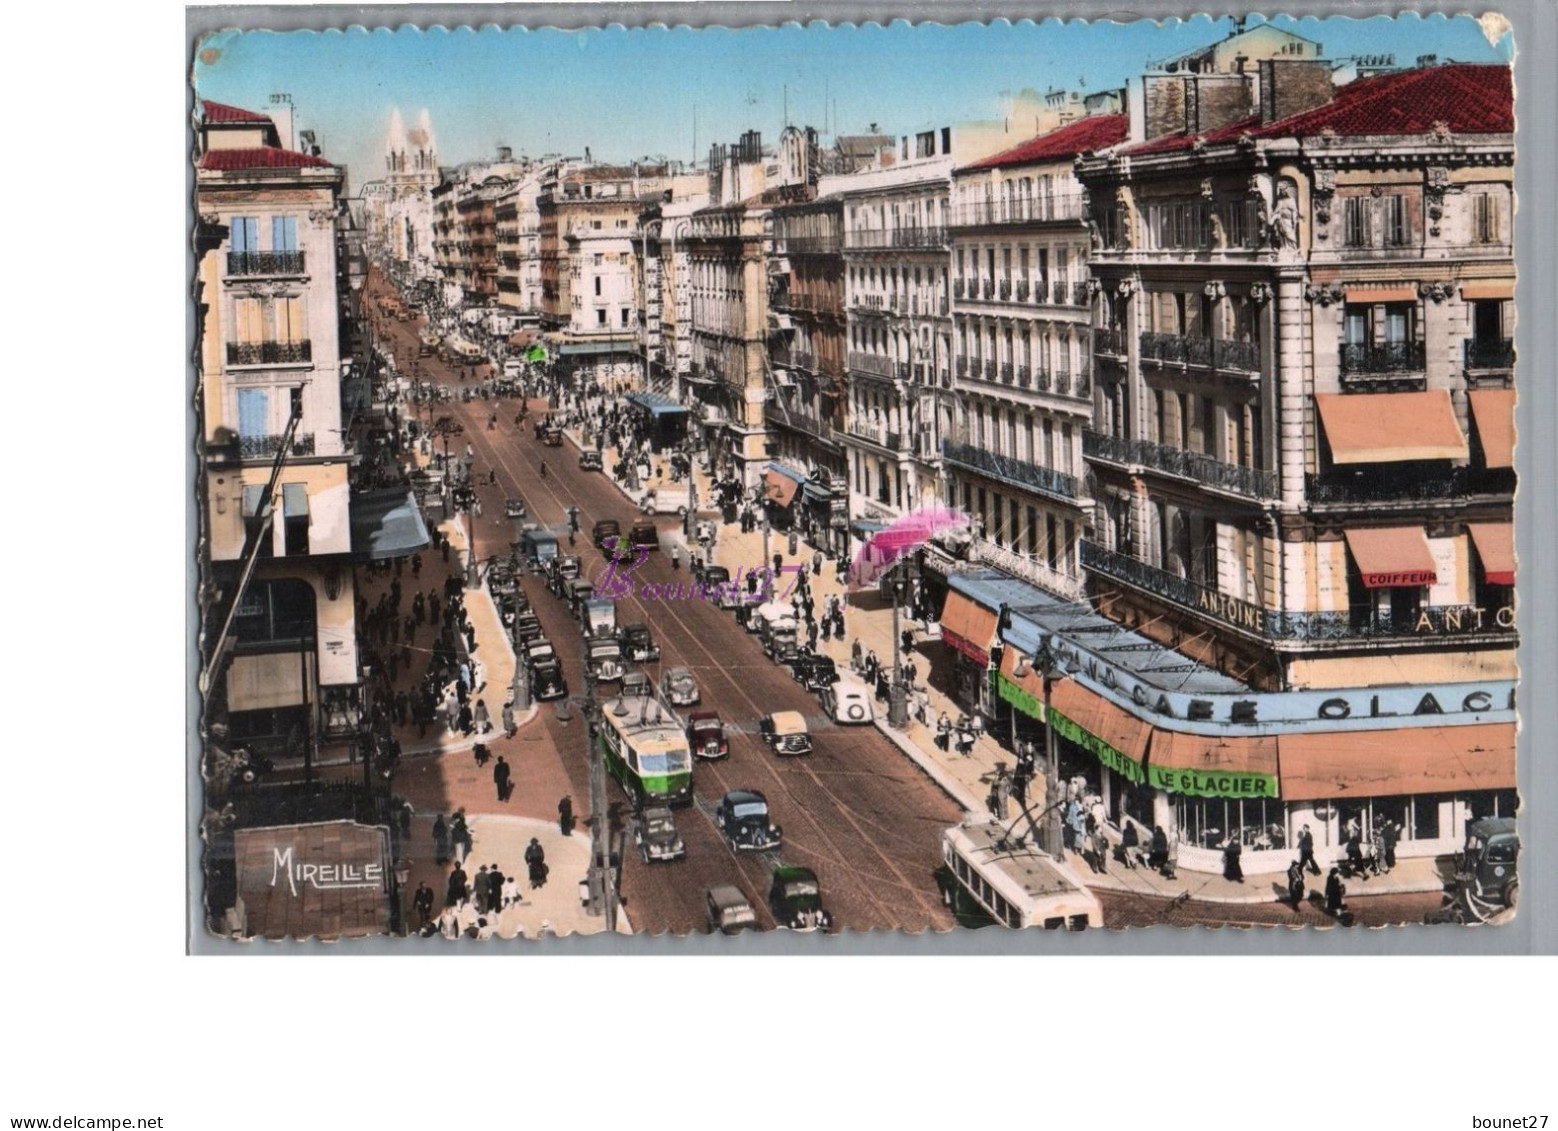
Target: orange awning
1390	427
1401	760
968	626
1493	410
1114	726
1489	288
778	488
1381	294
1495	543
1392	556
1030	682
1213	766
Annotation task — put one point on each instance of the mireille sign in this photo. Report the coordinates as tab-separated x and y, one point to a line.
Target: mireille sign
322	877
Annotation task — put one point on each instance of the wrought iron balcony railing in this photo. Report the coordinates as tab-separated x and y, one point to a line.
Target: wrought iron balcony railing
1020	211
270	353
1250	482
1017	472
1110	341
1024	377
1382	357
1478	353
1379	487
908	238
873	364
1022	290
265	263
959	288
266	446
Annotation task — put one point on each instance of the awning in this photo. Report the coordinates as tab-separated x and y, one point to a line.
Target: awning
1495	542
330	879
1390	427
1213	766
968	627
1381	294
1489	288
778	488
259	683
1024	692
657	404
1398	761
864	527
817	494
251	499
1392	556
294	500
386	524
1114	736
580	349
521	338
1493	411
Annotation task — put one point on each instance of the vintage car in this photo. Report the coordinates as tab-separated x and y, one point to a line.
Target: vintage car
1486	867
589	460
679	688
785	732
645	534
814	671
637	643
742	818
605	533
537	548
604	659
664	502
796	900
539	649
635	684
848	701
730	912
513	369
655	835
552	437
706	735
514	507
547	680
599	619
527	627
578	592
561	569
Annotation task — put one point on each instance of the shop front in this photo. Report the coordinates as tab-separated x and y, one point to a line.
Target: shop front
664	420
968	629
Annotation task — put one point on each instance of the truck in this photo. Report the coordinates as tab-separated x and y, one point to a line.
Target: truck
599	621
776	631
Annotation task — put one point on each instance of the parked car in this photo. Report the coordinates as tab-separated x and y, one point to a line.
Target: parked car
664	502
514	507
637	643
513	369
578	591
635	684
679	688
561	569
848	701
742	818
547	680
604	658
1486	867
644	534
785	732
706	735
655	835
537	548
730	912
552	437
604	529
599	619
589	460
795	898
527	627
814	671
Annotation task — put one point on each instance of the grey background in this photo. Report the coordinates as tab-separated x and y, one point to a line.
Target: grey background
1535	929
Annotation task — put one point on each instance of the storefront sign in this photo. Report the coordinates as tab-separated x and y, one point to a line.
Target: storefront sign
1127	767
322	877
1409	578
1231	610
1023	701
972	651
1211	783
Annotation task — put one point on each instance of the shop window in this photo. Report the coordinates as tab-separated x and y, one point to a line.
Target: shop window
1209	822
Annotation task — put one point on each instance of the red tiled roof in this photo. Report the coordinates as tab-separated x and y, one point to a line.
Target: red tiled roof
1471	98
220	114
1097	131
231	160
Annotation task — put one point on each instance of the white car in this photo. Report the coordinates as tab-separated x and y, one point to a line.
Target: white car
848	701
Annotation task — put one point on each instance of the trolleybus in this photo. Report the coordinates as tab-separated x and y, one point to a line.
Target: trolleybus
646	750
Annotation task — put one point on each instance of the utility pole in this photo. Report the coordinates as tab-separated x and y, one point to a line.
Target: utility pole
601	880
897	701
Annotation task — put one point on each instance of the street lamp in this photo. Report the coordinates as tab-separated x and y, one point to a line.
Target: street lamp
897	696
1050	668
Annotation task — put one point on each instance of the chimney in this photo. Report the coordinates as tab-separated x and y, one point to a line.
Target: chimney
587	159
505	154
1292	86
1136	108
1428	60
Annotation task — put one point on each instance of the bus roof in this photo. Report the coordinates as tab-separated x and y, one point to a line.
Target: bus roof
1033	871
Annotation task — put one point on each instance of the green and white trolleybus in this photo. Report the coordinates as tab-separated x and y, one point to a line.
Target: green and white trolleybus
646	750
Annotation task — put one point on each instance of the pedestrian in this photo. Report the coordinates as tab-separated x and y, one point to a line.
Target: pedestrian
452	710
535	861
565	816
407	812
1306	850
816	563
1100	848
906	638
1296	883
1392	836
440	840
467	724
480	890
500	778
458	892
433	607
1377	843
481	753
1130	844
811	634
1356	865
481	718
1335	894
676	558
508	719
460	836
1233	871
1158	853
422	904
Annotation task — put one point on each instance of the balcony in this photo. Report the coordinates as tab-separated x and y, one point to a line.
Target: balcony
1110	342
990	369
1006	373
1132	455
1024	377
987	288
1022	290
878	434
1382	365
266	446
1016	472
265	263
809	245
799	421
962	367
270	353
1004	289
1029	210
903	238
1379	488
1201	352
1498	353
873	364
1030	568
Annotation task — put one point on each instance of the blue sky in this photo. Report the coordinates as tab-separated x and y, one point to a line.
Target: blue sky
631	92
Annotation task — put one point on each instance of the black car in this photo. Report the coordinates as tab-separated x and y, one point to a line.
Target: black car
527	627
547	680
743	820
643	533
589	460
552	437
655	836
605	529
795	898
814	671
637	643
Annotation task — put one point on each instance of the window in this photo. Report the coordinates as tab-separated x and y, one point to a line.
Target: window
1486	228
283	233
1355	221
600	317
294	508
1031	534
597	286
624	314
245	233
253	412
1397	230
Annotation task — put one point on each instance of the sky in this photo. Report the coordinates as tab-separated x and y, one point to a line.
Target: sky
630	93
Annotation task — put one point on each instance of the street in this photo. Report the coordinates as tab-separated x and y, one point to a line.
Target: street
855	811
